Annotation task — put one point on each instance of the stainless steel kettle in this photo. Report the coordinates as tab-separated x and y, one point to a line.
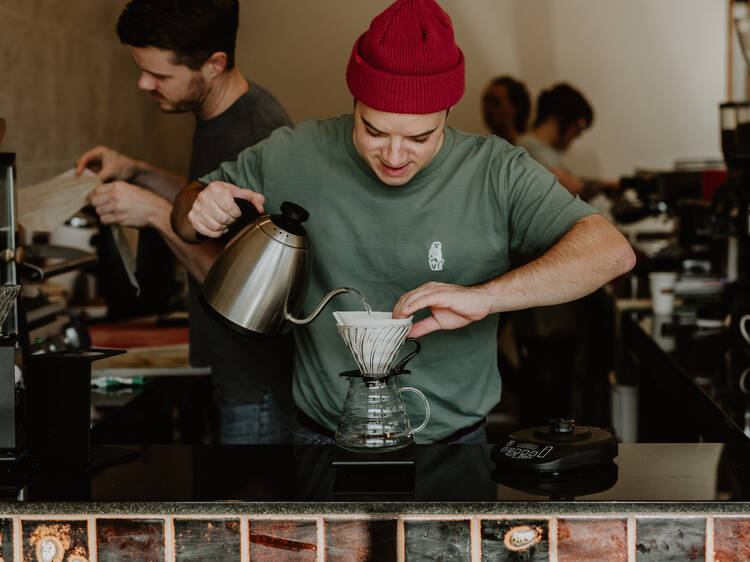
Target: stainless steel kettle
258	283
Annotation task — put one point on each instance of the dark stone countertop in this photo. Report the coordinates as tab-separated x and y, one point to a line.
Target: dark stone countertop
701	369
448	479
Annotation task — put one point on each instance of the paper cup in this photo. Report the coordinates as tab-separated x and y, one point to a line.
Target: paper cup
662	285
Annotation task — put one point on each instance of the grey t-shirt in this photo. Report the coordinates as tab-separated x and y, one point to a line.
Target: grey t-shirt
242	368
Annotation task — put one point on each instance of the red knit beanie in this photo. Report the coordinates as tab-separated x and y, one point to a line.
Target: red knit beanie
408	61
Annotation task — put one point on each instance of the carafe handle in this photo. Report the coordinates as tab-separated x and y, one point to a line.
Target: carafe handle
426	405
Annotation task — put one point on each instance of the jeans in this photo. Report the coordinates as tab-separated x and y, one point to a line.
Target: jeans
252	423
302	435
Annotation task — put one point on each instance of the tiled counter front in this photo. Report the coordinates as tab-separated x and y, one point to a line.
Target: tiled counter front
381	537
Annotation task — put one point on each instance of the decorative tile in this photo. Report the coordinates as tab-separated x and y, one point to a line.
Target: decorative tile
6	539
437	540
55	540
197	539
678	539
130	539
731	538
284	540
351	541
515	539
580	540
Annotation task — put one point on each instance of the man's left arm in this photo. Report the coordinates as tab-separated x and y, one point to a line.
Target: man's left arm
590	254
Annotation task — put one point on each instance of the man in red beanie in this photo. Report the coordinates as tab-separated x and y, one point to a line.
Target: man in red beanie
399	200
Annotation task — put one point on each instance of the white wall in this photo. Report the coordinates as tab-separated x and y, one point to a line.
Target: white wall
654	70
68	85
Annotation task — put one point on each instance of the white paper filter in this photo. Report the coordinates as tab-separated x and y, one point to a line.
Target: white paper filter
374	340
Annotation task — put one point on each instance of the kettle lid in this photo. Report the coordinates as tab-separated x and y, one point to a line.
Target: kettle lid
287	227
291	218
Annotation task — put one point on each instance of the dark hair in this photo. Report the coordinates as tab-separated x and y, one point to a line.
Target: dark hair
566	104
519	98
193	29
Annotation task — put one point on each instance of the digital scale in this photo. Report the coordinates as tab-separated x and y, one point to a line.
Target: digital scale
556	449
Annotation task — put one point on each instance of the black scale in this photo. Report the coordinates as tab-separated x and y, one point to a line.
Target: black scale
558	448
561	461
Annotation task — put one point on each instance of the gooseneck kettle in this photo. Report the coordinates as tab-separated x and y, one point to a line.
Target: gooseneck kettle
257	285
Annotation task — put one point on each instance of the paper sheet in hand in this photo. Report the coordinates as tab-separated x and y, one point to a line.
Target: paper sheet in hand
126	255
47	205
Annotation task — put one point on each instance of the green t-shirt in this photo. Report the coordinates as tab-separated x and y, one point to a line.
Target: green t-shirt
457	221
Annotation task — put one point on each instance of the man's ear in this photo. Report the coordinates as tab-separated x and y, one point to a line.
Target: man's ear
216	64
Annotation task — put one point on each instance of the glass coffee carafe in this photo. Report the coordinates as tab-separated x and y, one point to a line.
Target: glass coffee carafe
374	418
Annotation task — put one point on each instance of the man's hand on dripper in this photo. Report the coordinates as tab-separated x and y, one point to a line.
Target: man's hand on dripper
452	306
214	208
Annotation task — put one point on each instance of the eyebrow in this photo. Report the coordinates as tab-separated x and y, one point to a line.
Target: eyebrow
152	73
370	126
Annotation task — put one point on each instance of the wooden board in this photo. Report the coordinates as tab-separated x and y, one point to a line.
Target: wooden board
129	335
168	356
47	205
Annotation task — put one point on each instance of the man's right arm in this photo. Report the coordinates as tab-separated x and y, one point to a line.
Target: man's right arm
180	209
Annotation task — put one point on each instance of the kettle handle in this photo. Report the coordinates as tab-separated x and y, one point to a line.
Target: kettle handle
249	214
328	297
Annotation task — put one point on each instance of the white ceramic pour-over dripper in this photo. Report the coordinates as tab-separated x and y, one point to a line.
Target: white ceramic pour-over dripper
8	294
373	338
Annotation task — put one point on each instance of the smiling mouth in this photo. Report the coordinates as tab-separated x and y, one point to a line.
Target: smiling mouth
391	171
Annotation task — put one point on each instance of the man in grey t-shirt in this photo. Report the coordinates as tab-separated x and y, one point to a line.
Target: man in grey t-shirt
185	51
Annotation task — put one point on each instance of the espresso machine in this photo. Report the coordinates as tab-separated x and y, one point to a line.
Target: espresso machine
9	290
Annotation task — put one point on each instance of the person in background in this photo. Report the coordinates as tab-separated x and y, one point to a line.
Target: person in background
506	106
562	114
558	346
421	217
185	53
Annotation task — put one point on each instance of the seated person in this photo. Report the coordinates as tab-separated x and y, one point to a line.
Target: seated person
506	106
562	114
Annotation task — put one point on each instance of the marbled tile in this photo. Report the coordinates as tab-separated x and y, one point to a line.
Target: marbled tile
515	539
201	540
284	540
731	538
437	540
55	540
665	539
130	539
6	539
351	541
592	539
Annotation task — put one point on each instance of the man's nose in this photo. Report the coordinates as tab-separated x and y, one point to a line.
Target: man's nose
145	82
394	151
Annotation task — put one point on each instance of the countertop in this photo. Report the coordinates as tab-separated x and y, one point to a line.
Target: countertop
701	364
447	479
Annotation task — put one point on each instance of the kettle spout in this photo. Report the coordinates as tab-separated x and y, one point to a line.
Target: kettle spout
319	308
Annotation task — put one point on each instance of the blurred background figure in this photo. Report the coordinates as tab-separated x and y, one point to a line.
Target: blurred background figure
562	114
506	106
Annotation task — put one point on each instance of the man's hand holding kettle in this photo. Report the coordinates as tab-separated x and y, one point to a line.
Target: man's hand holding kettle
209	210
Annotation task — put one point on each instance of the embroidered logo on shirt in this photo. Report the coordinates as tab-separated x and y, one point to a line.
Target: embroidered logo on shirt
435	257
